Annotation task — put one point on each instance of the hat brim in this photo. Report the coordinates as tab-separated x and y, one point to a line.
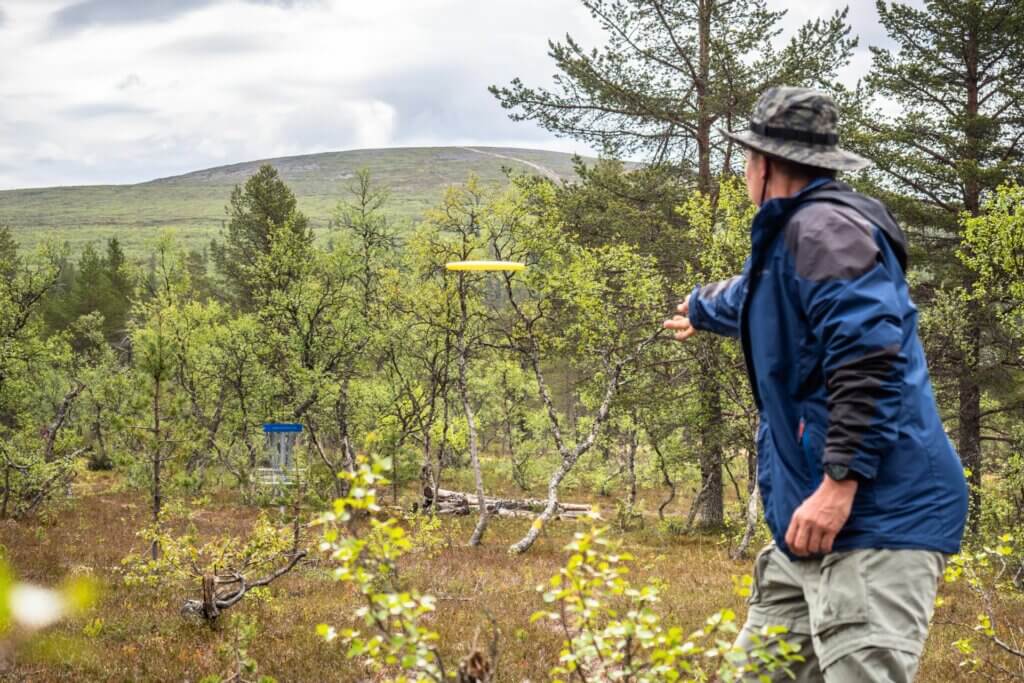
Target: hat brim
819	156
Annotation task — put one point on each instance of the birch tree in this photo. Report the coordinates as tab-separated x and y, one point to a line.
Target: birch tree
595	309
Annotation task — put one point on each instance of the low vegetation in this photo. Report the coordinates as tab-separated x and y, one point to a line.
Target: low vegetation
137	631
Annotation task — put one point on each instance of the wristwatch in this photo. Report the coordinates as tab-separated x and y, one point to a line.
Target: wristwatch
837	472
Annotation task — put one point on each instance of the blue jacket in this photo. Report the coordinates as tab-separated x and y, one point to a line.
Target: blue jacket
829	334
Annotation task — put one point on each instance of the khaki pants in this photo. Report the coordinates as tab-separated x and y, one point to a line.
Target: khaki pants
857	616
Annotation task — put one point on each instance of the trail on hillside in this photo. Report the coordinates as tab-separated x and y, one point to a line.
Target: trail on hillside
544	170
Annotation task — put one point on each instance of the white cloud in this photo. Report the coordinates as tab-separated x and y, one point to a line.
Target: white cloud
126	96
127	90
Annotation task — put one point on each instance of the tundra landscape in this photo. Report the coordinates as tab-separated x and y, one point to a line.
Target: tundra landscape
411	410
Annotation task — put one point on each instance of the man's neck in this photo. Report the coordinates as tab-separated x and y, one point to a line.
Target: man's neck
785	186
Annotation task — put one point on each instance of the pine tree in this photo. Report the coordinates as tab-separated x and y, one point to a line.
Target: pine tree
255	211
670	72
8	253
955	75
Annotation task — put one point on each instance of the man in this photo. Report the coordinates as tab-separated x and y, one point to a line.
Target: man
862	490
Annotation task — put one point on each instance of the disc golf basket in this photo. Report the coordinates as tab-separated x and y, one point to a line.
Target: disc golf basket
280	468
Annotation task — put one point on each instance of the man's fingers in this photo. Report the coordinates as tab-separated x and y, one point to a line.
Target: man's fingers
826	542
681	325
815	539
802	536
683	335
800	530
791	531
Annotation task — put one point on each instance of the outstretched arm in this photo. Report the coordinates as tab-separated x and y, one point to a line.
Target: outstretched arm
714	307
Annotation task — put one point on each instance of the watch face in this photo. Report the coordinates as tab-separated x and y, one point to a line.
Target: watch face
837	472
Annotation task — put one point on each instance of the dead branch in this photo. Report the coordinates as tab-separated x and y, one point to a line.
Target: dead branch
58	421
210	607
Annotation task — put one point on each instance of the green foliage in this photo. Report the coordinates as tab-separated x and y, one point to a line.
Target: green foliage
993	249
98	284
614	633
613	629
243	668
263	207
185	558
367	559
94	627
719	229
37	389
668	71
425	535
955	136
628	516
994	574
614	204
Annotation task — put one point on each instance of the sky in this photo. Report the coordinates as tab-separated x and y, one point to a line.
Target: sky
123	91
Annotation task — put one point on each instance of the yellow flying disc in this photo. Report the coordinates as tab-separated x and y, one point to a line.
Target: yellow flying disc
486	265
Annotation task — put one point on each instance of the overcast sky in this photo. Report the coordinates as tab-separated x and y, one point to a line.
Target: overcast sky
120	91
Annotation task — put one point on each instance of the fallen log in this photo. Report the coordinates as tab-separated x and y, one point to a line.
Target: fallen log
459	503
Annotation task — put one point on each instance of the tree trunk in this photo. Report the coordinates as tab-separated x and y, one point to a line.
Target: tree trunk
752	468
49	453
631	448
157	462
663	466
474	447
549	510
969	441
752	519
569	455
704	118
969	392
710	509
348	456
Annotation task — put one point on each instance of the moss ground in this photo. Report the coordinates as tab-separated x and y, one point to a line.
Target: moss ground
143	638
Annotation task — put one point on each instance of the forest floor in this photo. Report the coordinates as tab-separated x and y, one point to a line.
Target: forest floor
137	634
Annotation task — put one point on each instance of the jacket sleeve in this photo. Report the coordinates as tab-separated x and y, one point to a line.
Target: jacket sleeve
716	307
851	300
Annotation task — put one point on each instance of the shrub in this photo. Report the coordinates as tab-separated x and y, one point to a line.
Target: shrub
994	574
612	631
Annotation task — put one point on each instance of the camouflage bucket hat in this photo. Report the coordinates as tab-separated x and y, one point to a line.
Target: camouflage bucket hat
798	124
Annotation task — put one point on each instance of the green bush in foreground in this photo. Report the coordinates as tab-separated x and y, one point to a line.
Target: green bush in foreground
993	573
611	629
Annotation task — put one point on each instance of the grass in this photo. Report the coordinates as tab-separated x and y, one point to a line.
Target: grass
142	636
192	205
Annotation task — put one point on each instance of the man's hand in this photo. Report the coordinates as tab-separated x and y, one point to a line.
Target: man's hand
681	322
819	519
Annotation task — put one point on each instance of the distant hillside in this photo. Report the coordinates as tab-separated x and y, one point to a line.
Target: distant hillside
193	204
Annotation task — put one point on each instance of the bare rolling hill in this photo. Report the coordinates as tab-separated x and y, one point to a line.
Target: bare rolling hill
193	204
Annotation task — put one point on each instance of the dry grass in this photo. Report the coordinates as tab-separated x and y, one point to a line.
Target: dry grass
144	638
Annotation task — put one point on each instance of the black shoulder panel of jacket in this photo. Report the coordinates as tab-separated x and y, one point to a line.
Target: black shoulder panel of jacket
830	242
870	208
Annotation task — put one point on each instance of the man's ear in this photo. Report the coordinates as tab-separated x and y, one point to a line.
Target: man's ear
765	174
